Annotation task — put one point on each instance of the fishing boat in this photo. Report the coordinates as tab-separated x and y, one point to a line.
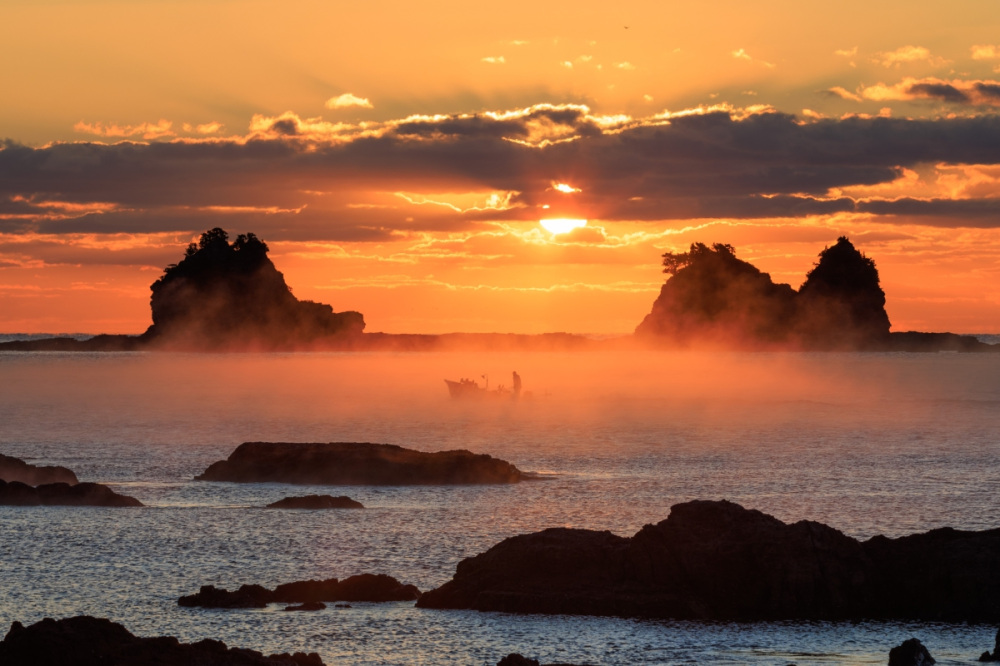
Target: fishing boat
469	389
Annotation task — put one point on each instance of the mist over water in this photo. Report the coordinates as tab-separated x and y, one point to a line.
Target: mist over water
867	443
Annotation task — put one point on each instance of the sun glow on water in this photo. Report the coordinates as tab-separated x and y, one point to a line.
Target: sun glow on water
562	225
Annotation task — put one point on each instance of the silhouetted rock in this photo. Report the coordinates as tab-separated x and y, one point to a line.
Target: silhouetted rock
715	299
316	502
345	463
913	341
62	494
230	296
841	304
910	653
307	606
719	561
515	659
90	641
247	596
15	469
362	587
986	656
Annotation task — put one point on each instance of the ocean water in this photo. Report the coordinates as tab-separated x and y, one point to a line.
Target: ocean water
868	443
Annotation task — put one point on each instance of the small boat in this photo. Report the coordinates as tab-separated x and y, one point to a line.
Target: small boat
469	389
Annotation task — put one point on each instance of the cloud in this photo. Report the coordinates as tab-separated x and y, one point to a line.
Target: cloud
158	130
306	178
847	53
843	93
741	54
494	60
907	55
347	100
985	52
955	91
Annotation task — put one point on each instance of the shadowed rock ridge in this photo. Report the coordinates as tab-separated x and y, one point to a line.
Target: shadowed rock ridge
15	469
362	587
718	561
16	493
713	298
230	296
353	463
91	641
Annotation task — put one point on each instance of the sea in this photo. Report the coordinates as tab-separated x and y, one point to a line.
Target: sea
869	443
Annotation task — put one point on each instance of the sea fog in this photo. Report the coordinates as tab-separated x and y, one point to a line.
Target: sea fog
868	443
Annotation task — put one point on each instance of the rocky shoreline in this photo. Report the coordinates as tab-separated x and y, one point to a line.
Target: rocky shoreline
715	560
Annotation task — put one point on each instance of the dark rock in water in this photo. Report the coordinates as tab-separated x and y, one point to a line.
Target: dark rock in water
307	606
719	561
347	463
90	641
248	596
62	494
15	469
316	502
986	656
910	653
515	659
375	587
362	587
343	606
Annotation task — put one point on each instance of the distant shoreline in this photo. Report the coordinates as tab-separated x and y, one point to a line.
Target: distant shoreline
908	341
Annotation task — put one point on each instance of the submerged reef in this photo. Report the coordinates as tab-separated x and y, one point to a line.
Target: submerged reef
715	560
352	463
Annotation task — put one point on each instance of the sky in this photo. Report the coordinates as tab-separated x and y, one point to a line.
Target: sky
453	166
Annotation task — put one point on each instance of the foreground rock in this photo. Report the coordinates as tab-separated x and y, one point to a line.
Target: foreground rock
91	641
347	463
363	587
719	561
986	656
62	494
15	469
910	652
316	502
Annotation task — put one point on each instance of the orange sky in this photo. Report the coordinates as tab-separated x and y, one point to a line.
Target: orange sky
398	158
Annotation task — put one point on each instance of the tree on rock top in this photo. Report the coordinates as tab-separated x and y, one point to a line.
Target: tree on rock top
226	295
842	304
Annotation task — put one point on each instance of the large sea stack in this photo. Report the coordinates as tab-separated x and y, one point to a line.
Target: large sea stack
227	296
353	463
15	469
719	561
713	298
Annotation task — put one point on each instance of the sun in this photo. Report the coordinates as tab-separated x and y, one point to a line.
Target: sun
562	225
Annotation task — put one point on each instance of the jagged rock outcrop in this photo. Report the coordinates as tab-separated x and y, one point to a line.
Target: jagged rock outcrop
715	299
91	641
362	587
230	296
350	463
15	469
316	502
62	494
719	561
910	652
